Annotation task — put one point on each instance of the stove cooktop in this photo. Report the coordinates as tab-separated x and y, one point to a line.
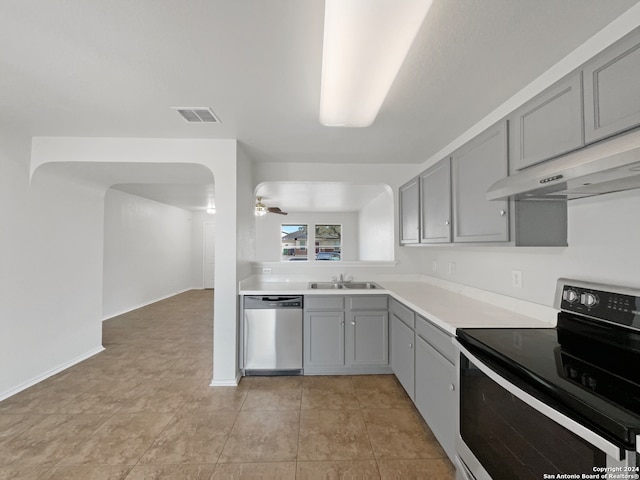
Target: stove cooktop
588	367
535	361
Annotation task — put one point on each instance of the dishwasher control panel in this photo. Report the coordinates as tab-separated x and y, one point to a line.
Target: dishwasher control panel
251	302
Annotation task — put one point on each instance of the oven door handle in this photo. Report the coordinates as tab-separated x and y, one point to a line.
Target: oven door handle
571	425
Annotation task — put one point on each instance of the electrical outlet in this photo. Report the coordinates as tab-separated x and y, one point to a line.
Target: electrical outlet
452	268
434	266
266	269
516	278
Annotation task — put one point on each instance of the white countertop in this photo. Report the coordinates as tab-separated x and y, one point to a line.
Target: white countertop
447	309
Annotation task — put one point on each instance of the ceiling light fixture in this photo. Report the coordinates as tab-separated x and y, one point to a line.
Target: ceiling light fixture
260	209
365	43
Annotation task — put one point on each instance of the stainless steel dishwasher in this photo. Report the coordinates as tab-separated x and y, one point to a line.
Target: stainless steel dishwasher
273	335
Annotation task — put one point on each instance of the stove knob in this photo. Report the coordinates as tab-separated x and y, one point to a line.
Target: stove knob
588	300
570	296
588	381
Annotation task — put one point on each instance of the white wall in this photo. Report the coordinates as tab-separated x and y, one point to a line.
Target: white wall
198	220
604	246
392	175
219	156
50	270
268	232
147	252
245	230
376	226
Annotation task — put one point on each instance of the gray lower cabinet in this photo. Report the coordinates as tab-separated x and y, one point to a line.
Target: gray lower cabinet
612	89
475	167
323	339
346	334
402	354
548	125
435	393
368	337
435	203
409	201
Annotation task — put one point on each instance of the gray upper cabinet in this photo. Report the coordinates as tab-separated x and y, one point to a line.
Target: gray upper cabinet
435	203
475	167
548	125
612	89
409	199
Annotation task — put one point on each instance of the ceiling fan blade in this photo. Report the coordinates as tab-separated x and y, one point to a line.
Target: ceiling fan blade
276	210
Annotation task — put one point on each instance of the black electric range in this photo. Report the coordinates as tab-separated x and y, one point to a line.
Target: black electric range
587	367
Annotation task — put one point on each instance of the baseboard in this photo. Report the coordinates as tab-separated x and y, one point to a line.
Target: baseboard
135	307
227	382
50	373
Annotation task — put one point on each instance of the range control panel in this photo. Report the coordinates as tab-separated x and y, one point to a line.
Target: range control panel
620	308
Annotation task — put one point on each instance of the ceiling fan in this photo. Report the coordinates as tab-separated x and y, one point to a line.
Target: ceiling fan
261	209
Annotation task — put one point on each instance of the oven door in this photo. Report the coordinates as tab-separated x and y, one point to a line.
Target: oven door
505	433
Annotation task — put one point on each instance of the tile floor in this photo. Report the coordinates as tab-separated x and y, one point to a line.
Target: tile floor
143	409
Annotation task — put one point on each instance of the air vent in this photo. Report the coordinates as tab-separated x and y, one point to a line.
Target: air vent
197	114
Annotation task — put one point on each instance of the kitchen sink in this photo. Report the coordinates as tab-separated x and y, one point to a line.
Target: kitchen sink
325	285
347	285
361	285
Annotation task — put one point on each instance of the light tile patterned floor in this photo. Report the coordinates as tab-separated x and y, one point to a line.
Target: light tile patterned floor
143	409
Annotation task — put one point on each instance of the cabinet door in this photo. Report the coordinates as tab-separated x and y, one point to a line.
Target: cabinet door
612	89
402	354
409	197
435	203
475	167
369	338
435	394
547	126
323	339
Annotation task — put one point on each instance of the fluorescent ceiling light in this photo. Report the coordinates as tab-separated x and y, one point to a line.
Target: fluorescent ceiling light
365	43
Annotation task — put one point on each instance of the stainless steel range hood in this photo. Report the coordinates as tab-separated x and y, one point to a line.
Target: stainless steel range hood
609	166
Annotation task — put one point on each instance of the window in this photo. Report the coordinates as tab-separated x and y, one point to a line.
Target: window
328	242
294	243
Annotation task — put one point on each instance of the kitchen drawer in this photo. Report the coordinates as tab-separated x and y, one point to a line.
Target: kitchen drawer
435	337
322	302
403	313
368	302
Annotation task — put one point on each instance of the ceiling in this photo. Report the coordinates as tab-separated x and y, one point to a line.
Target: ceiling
79	68
319	196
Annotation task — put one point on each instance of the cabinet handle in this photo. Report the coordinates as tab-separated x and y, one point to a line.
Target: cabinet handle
503	213
446	222
452	387
353	323
342	324
411	345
